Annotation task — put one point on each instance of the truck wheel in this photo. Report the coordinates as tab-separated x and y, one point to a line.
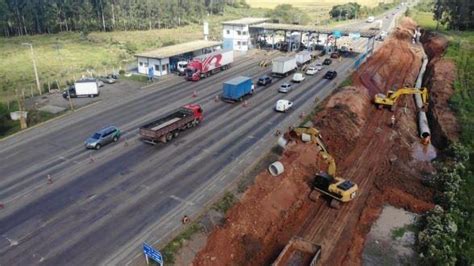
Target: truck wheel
97	147
176	134
189	125
169	137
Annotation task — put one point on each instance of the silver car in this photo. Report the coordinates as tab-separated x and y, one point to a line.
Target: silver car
285	87
103	137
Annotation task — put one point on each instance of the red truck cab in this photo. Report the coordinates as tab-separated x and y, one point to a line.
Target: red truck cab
197	111
193	71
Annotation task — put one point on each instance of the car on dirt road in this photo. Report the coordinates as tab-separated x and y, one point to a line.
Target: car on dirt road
285	87
327	62
103	137
283	105
264	80
331	74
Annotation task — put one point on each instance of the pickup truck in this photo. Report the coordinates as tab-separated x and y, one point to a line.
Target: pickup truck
169	126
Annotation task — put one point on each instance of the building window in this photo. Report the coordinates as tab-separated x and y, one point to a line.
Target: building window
141	64
244	43
238	32
244	32
157	67
238	43
145	64
228	31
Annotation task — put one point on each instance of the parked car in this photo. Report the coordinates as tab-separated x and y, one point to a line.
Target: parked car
103	137
265	80
335	55
298	77
312	70
283	105
327	61
108	80
285	87
330	75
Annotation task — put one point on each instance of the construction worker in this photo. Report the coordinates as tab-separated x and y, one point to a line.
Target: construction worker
392	121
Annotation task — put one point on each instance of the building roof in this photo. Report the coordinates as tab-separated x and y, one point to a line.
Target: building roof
245	21
173	50
311	28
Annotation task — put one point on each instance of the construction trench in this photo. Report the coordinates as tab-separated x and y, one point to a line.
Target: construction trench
387	163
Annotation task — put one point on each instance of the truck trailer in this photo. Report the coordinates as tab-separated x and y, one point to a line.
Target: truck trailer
303	57
207	64
283	66
237	88
299	252
169	126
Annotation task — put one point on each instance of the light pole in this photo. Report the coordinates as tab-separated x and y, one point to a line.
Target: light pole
34	66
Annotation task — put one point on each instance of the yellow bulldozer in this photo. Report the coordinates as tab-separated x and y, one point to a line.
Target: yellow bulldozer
391	98
326	183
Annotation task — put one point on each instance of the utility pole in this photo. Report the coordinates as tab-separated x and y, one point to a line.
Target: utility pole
34	66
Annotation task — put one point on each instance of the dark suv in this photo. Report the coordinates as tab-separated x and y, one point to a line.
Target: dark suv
327	61
265	80
330	75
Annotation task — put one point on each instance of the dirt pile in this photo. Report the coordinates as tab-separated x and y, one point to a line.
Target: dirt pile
439	79
343	116
268	215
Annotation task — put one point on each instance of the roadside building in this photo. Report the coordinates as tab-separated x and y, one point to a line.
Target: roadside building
165	60
238	36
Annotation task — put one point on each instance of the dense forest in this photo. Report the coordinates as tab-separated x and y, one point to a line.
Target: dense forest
24	17
455	14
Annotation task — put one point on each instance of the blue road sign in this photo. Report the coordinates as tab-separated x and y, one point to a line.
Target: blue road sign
337	34
152	253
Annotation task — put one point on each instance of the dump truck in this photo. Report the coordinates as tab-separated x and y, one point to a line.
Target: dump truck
237	88
283	66
299	252
207	64
303	57
169	126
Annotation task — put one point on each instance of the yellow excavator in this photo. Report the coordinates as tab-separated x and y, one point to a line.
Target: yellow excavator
391	98
339	189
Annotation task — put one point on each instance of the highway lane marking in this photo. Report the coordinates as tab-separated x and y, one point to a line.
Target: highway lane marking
190	203
12	242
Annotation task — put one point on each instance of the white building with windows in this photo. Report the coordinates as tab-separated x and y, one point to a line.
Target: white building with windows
236	34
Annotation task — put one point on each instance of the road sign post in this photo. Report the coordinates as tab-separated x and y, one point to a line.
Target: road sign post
151	253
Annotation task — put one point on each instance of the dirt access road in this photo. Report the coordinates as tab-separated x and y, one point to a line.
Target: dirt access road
387	163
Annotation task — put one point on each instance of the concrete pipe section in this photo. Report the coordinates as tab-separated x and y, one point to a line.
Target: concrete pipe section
423	125
282	142
276	168
305	137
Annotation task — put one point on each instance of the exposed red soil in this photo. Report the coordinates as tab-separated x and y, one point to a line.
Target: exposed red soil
367	151
441	74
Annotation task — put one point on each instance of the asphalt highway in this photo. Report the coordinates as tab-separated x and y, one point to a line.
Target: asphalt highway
102	205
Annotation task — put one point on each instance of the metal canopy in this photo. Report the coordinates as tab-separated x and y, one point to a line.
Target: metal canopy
311	28
173	50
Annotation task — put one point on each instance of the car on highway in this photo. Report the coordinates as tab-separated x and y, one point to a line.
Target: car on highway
264	80
103	137
298	77
285	87
283	105
331	74
327	61
312	70
108	80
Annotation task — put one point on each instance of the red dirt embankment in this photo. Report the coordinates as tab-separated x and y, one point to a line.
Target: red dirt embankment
439	79
367	150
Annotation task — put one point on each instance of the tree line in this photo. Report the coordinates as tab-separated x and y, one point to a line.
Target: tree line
27	17
455	14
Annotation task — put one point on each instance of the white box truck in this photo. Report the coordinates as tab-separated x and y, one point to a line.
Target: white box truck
303	57
83	88
283	66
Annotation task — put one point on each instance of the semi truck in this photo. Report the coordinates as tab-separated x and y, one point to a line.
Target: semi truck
83	88
169	126
283	66
303	57
207	64
298	252
237	88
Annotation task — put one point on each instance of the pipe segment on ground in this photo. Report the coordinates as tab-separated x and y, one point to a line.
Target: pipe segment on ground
422	119
276	168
